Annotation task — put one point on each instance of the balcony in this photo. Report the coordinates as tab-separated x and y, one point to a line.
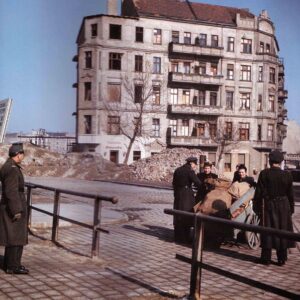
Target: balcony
282	94
195	49
194	110
191	141
263	144
193	79
265	56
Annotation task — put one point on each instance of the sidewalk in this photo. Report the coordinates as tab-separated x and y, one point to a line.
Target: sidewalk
137	259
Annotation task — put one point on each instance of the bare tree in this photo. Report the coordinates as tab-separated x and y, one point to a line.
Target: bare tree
141	97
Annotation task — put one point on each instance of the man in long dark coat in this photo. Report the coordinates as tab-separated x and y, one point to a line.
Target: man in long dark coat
274	202
13	211
184	198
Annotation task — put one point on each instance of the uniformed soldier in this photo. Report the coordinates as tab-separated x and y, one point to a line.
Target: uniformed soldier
184	198
274	203
13	211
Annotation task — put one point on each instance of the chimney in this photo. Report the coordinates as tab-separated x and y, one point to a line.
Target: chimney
112	7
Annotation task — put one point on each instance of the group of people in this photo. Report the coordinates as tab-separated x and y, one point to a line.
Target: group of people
273	201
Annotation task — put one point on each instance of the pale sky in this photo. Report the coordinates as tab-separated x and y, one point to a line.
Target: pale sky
38	42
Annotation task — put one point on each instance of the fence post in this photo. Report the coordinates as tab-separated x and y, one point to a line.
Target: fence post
55	222
196	266
96	233
29	192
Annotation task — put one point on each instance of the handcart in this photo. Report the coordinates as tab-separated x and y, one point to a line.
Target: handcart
242	211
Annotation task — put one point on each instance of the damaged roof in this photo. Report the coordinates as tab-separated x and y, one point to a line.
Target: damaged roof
184	10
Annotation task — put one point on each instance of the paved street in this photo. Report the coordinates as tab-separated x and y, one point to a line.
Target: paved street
137	259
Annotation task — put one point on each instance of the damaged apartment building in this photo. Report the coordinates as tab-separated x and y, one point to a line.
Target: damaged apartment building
189	74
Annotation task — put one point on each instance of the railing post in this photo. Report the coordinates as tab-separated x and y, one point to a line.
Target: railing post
96	233
196	266
29	192
55	222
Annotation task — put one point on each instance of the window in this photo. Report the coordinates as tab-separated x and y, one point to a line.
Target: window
245	73
201	97
244	131
174	67
246	45
212	130
214	41
115	31
241	158
186	97
156	127
175	36
115	61
229	100
88	59
271	106
202	39
227	162
260	73
230	44
113	125
173	125
185	127
157	36
138	93
138	63
270	132
268	49
228	131
245	101
259	132
213	98
187	38
156	95
88	91
114	92
87	124
199	129
136	155
156	65
174	96
230	71
137	123
261	47
259	102
114	156
272	75
99	60
139	34
202	68
94	30
186	67
213	69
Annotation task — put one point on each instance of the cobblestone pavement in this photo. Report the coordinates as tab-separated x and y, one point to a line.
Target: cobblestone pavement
137	258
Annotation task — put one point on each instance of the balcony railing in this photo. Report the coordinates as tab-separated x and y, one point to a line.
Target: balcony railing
263	144
195	78
196	49
194	109
268	57
283	94
191	141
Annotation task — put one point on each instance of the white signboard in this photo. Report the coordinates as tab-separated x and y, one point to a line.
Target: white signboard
5	107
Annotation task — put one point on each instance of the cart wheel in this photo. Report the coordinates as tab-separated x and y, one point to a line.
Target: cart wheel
253	238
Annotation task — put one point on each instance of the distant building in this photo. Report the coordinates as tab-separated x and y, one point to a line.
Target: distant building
213	69
5	108
60	142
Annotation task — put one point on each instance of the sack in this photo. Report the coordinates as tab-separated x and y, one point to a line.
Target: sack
238	189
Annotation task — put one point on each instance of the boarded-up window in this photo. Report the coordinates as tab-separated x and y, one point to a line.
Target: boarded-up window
114	92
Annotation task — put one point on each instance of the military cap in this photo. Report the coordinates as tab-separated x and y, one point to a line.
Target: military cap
15	148
276	156
192	159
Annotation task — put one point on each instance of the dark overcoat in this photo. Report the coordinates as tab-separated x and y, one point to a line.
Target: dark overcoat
274	202
184	198
12	233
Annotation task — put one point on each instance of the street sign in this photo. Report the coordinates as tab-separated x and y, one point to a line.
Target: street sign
5	107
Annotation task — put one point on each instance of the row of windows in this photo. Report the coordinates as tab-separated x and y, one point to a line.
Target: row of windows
199	98
115	63
115	32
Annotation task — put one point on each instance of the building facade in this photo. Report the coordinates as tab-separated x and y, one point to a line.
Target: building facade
213	74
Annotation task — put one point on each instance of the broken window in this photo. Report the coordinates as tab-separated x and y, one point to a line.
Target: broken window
156	95
175	36
88	59
136	155
138	93
87	124
138	67
94	30
115	61
272	75
213	98
139	34
88	91
113	125
212	130
115	31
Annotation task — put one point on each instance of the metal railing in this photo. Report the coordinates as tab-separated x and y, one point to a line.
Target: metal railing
95	227
197	250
